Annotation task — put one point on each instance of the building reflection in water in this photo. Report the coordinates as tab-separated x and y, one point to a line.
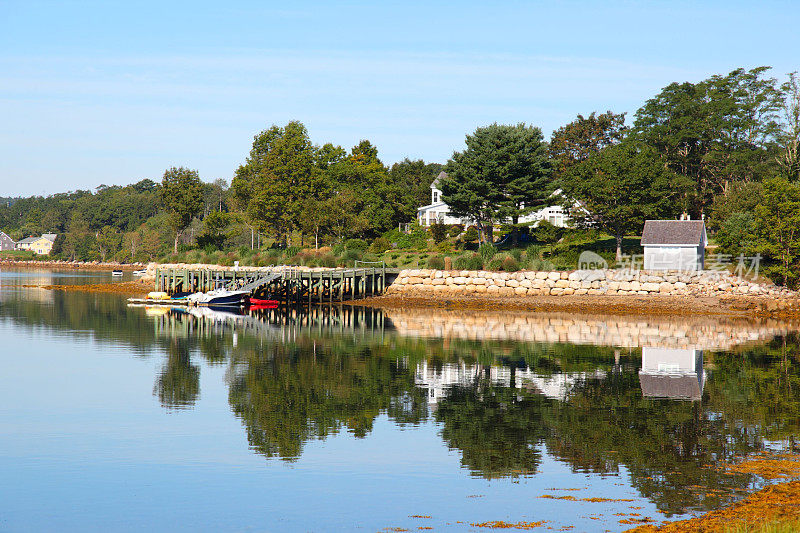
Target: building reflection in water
438	380
674	373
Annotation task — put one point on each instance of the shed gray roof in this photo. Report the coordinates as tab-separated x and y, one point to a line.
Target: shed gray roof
676	386
673	232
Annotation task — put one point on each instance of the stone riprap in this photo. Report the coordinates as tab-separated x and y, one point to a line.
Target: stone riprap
633	332
420	282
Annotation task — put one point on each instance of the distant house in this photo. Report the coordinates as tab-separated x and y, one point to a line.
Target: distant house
38	245
6	242
438	211
672	373
674	244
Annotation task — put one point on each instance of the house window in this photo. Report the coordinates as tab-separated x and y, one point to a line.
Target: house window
435	196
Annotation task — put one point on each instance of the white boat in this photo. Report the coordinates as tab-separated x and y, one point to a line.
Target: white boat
116	272
219	297
139	272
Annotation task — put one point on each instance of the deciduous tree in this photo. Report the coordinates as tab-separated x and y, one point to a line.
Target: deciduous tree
620	187
182	196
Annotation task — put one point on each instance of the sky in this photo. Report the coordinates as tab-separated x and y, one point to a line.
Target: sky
111	93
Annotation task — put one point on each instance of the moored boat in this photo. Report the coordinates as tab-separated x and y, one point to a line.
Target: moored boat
116	273
261	302
220	297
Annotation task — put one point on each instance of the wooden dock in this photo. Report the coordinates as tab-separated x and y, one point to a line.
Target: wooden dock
290	286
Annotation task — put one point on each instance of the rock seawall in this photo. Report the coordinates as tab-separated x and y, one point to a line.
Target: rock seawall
420	282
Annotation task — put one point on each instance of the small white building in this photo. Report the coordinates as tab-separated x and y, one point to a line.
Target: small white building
438	211
674	244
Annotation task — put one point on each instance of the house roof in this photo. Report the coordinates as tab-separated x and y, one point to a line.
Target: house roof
4	234
674	232
50	237
675	386
28	240
442	175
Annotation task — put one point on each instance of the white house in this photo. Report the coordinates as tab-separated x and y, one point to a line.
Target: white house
438	211
672	373
674	244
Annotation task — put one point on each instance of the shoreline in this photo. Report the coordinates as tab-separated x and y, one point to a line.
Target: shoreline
750	306
72	265
747	307
754	307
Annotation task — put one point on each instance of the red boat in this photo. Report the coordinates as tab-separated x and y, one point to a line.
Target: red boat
258	303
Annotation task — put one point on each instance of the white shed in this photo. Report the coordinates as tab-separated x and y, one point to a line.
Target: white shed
674	244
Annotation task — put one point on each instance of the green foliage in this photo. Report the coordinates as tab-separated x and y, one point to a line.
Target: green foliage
278	176
777	223
182	196
380	245
711	132
356	244
737	234
213	234
435	262
620	187
438	231
455	230
547	233
487	252
471	235
503	174
584	137
468	261
413	179
417	238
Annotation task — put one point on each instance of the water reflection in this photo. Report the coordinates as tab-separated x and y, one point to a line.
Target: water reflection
672	373
601	394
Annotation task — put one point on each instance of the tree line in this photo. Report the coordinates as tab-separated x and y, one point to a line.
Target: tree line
724	149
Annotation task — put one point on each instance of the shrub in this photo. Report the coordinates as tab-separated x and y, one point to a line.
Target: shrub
292	251
436	262
327	260
533	252
338	249
455	230
350	256
516	253
356	244
547	233
468	261
471	235
380	245
509	264
495	264
438	231
487	252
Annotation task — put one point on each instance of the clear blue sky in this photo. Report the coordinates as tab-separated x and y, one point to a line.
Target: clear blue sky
112	92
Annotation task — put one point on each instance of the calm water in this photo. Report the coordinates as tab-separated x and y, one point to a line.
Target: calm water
116	418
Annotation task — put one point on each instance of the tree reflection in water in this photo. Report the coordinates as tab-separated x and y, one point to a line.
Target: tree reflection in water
295	378
178	385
